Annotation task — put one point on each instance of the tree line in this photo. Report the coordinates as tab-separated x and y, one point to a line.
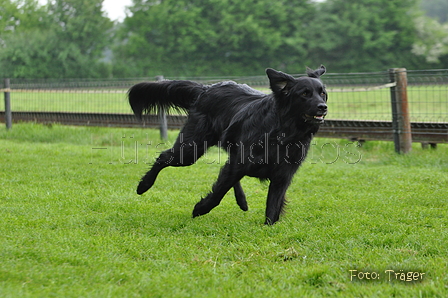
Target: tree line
182	38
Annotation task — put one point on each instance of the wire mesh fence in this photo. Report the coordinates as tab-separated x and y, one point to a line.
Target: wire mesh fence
362	96
362	106
73	96
358	96
428	95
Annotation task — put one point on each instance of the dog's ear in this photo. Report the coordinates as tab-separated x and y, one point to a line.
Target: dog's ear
279	80
316	73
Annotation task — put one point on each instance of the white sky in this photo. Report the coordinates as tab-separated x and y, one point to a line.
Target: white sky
115	9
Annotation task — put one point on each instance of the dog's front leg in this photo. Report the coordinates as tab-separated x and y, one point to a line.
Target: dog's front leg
228	177
276	200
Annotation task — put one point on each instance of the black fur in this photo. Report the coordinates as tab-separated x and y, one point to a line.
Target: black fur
266	136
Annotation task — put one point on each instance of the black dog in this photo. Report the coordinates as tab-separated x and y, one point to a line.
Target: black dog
266	136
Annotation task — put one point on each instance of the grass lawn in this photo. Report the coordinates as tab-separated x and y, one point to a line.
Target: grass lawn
71	224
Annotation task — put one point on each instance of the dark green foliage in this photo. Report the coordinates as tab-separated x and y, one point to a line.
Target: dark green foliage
64	39
225	37
184	38
213	37
364	35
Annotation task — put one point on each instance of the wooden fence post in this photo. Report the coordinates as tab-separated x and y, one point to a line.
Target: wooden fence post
162	117
8	113
401	123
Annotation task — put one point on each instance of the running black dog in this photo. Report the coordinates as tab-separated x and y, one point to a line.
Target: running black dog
266	136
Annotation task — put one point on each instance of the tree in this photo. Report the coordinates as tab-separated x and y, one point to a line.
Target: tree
20	15
68	38
68	42
20	59
366	35
432	41
82	23
205	37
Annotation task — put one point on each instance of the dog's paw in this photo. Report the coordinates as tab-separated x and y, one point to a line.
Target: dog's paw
243	206
270	222
241	201
143	187
198	212
201	208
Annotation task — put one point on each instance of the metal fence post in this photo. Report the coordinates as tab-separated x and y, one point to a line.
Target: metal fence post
8	113
401	123
162	117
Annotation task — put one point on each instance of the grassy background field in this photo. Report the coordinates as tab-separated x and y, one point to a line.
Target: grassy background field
71	224
427	103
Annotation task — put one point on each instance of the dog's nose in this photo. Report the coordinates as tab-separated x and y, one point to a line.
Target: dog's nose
322	107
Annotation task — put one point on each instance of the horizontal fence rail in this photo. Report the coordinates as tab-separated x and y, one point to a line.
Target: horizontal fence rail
422	132
359	104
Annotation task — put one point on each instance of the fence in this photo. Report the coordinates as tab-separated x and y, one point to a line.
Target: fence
361	106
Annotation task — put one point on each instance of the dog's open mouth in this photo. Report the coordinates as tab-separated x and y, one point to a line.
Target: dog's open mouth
314	119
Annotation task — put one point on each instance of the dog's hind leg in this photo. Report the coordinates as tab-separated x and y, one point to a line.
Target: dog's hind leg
240	196
184	152
228	178
148	180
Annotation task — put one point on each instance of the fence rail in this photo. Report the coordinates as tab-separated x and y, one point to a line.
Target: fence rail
359	104
422	132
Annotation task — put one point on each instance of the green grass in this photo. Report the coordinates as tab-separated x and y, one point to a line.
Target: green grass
71	224
426	103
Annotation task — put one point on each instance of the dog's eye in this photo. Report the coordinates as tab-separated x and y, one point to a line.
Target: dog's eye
305	94
322	94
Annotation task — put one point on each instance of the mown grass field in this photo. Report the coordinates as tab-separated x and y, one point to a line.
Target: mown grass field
427	103
71	224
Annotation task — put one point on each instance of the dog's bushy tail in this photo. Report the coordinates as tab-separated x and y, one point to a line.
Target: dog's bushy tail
150	96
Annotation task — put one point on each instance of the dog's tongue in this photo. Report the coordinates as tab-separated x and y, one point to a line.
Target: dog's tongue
319	117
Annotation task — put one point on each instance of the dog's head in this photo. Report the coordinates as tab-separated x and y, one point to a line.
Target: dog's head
304	96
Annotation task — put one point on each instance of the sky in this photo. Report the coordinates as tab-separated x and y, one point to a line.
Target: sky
115	9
